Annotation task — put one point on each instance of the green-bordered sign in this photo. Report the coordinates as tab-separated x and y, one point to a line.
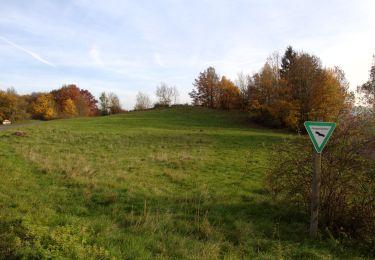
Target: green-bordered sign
319	133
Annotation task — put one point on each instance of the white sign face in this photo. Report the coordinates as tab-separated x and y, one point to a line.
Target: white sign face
319	133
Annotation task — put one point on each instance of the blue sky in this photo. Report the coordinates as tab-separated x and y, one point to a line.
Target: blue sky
130	46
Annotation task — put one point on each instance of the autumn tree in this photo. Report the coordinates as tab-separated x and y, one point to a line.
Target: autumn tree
330	97
305	73
84	101
321	93
228	95
13	106
267	83
64	93
143	102
297	89
269	100
7	105
271	97
82	107
67	101
206	86
44	107
69	108
368	89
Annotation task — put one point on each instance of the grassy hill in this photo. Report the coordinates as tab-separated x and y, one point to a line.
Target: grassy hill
174	183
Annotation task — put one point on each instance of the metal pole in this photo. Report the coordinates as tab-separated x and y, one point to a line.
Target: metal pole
315	194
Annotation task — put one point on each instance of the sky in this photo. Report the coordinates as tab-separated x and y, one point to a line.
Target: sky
129	46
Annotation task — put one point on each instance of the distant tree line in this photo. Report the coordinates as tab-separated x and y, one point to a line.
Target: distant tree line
166	96
67	101
287	91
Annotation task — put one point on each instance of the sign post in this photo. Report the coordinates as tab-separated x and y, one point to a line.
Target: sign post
315	192
319	133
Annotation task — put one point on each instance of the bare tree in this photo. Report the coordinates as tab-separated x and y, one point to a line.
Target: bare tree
165	94
368	89
143	101
175	95
109	103
115	105
274	60
244	82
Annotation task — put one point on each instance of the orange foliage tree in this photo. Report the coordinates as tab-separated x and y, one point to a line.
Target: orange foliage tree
298	90
228	94
83	100
206	90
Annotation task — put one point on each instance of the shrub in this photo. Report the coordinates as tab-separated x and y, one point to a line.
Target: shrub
347	182
265	118
159	105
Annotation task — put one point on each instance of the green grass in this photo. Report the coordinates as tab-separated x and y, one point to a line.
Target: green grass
181	183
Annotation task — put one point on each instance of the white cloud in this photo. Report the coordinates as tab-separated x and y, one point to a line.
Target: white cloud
31	53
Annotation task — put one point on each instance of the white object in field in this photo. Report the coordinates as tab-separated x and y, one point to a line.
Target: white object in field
7	122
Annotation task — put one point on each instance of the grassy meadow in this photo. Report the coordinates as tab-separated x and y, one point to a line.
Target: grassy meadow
179	183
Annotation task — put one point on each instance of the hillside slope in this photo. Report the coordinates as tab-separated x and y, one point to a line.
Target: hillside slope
175	183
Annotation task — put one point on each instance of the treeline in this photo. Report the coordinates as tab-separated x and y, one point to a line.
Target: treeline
286	92
67	101
166	96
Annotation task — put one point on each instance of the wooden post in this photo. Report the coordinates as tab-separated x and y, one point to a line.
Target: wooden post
315	194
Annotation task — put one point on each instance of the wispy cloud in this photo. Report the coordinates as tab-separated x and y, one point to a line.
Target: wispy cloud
31	53
133	45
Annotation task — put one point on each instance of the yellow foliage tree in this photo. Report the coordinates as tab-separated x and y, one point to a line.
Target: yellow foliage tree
44	107
70	109
272	98
328	96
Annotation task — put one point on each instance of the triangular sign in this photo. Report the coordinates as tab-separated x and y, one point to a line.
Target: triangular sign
319	133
